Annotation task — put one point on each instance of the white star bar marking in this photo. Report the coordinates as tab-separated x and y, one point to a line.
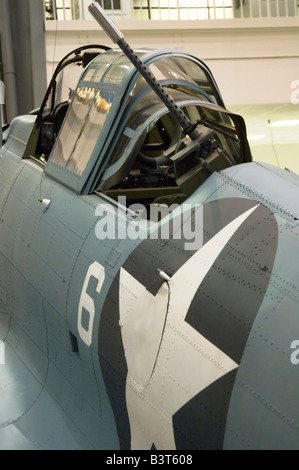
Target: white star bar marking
169	362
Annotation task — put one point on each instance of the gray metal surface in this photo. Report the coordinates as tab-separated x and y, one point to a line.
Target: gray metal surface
102	351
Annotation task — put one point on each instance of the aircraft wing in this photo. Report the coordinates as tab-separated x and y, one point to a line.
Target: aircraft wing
30	416
25	405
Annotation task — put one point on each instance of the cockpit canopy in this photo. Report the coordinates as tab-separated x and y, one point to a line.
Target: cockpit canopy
116	132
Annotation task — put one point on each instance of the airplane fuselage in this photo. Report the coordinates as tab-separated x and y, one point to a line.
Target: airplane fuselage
103	352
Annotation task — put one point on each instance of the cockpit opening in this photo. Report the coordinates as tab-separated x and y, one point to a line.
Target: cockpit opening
153	161
111	134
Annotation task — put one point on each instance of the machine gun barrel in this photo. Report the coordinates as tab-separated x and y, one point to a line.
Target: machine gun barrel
117	37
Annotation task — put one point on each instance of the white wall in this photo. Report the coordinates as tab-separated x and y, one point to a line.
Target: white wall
254	61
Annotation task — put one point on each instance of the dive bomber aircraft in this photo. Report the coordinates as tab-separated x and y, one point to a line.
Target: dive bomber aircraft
120	328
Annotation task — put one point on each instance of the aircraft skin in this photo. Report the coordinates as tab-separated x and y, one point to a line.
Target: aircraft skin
103	351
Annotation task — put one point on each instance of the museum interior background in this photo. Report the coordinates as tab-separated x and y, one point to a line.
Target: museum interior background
251	46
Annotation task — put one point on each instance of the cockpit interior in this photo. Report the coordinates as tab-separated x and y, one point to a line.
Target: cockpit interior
102	129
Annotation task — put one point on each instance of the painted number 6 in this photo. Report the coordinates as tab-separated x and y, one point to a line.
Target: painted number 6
87	303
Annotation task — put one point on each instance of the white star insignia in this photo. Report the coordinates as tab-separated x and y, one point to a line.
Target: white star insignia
168	361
